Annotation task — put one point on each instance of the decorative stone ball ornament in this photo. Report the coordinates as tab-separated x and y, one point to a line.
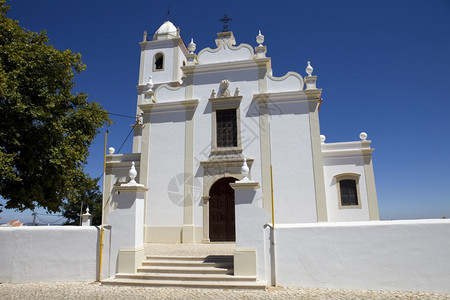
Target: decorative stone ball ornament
363	136
192	46
260	39
132	173
111	150
309	69
322	138
245	170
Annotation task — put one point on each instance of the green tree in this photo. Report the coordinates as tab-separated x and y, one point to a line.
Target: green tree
45	129
89	195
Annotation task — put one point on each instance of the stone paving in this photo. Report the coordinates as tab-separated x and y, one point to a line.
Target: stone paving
83	290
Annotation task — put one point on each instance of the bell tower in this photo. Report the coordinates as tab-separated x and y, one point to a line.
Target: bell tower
162	57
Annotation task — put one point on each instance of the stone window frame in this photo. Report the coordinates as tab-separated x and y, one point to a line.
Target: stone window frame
154	61
224	103
348	176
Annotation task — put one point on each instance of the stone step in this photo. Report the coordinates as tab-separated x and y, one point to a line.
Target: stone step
186	270
185	284
183	263
208	258
186	277
210	271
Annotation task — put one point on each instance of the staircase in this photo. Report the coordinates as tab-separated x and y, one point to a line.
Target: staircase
210	271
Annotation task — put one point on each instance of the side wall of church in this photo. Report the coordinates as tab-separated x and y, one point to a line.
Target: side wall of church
293	174
333	167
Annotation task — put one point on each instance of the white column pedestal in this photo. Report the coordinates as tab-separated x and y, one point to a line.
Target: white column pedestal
250	218
86	219
127	228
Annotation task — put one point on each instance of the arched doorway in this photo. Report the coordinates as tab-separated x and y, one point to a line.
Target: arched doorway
221	211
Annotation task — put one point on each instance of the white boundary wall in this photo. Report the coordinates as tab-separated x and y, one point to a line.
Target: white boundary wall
54	253
378	255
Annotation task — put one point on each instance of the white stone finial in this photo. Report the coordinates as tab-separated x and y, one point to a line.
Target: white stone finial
363	136
236	92
145	36
309	69
322	138
244	170
132	173
150	84
192	46
111	150
86	218
260	38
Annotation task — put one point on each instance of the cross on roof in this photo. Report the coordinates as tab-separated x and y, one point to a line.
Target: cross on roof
225	20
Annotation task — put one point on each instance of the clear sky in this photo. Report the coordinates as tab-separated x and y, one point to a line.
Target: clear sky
384	67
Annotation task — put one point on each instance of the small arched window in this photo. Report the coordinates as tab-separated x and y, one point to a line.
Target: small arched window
158	61
348	190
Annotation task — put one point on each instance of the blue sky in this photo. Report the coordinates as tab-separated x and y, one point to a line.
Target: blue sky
384	67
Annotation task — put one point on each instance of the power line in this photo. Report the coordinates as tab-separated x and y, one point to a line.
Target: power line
123	116
49	215
123	143
120	148
47	222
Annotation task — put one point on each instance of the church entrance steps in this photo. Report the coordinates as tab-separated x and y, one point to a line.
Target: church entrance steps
186	276
189	284
212	264
210	271
189	249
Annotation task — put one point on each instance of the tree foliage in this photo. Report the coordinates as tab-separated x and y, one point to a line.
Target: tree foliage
89	195
45	129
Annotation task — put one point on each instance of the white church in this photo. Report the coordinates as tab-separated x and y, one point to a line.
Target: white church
202	114
212	119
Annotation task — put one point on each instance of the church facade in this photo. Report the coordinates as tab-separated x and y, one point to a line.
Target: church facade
202	116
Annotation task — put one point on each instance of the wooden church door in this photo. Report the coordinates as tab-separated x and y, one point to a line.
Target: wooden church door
221	211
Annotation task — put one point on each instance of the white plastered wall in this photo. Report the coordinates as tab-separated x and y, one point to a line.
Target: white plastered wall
164	75
376	255
293	174
165	204
53	253
117	169
174	53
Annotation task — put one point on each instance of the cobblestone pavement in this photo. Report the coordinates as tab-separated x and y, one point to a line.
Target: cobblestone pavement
83	290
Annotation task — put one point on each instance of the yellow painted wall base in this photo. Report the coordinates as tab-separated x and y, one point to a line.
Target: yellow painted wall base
173	235
245	262
192	234
188	234
130	259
